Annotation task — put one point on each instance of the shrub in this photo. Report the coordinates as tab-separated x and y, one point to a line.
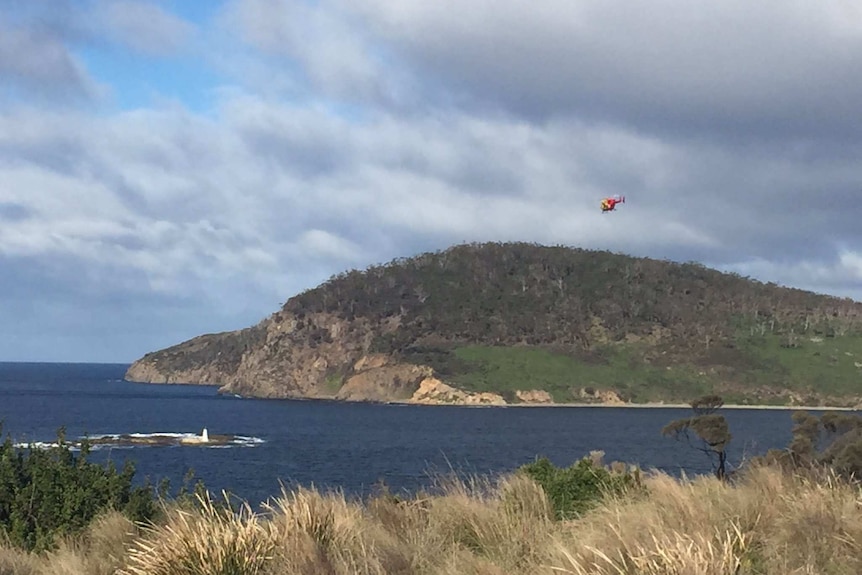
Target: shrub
575	489
49	493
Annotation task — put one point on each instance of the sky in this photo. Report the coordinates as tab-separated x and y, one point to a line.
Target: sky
169	169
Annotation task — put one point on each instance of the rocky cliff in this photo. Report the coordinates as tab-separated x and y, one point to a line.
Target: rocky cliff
287	362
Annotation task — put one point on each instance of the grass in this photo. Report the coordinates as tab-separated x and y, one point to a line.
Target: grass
503	369
100	550
761	370
209	539
333	383
830	365
767	522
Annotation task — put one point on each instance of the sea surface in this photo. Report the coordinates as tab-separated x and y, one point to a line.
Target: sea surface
334	445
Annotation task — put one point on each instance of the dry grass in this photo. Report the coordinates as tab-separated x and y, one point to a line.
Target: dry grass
212	539
769	522
16	562
100	550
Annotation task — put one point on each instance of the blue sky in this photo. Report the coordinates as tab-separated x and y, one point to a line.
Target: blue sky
169	169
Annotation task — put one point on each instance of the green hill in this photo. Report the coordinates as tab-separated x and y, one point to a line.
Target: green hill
510	317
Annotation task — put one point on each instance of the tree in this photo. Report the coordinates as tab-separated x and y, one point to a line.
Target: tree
832	441
708	427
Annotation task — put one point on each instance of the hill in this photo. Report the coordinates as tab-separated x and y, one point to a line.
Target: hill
517	322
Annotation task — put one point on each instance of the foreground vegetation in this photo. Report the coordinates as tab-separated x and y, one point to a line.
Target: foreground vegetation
764	523
49	493
797	510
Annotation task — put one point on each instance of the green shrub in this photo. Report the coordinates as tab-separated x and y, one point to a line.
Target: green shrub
52	492
575	489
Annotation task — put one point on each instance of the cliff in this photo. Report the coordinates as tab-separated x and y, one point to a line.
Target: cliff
467	319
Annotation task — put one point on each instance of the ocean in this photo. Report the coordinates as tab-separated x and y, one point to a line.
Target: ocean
352	447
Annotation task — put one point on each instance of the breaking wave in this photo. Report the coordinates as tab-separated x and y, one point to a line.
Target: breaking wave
165	439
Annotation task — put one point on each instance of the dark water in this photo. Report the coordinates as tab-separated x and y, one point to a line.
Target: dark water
344	445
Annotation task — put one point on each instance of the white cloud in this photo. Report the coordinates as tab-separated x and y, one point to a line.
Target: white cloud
325	46
144	27
851	264
36	63
839	276
346	134
320	243
291	184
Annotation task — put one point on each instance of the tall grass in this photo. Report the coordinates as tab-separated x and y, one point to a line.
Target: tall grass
770	522
209	539
100	550
767	522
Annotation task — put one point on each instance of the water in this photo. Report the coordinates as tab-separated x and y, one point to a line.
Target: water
351	446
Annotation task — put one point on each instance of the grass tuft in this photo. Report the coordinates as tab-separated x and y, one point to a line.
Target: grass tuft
210	539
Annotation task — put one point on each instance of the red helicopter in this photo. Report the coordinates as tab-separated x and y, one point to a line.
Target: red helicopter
609	204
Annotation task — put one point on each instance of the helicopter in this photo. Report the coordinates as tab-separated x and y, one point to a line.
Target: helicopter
610	204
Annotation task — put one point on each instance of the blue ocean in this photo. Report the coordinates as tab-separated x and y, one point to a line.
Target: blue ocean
332	445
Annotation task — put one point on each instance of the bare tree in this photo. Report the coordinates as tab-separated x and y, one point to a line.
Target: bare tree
708	427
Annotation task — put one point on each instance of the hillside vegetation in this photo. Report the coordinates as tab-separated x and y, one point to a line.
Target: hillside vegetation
503	317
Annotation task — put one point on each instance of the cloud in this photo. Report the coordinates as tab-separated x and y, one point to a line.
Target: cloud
840	275
326	48
264	186
13	212
777	70
347	134
144	27
35	63
326	244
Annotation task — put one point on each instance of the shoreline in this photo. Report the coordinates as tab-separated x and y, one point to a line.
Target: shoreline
653	405
681	406
738	406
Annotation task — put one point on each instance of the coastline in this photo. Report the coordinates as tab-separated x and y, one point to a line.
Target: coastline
685	406
769	407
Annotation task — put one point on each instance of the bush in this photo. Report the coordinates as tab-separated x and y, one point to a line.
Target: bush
48	493
575	489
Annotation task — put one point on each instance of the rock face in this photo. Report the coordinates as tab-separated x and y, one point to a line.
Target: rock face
149	372
534	396
300	356
317	356
601	396
432	391
210	359
384	383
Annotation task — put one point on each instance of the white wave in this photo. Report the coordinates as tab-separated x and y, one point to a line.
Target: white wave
247	440
157	434
132	440
35	444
